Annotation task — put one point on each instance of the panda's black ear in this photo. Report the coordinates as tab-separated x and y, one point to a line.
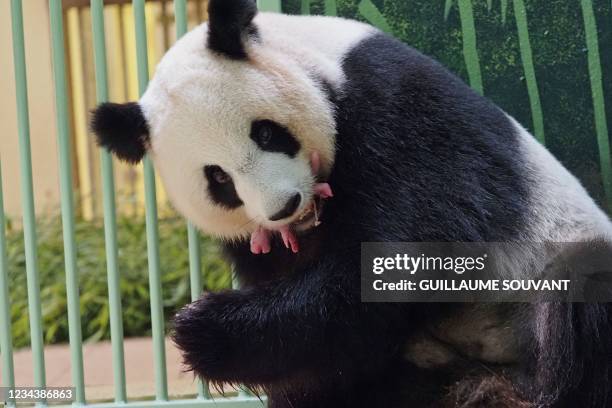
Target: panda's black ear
122	129
230	26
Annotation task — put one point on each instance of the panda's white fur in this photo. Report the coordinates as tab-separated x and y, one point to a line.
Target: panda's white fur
560	211
199	107
557	195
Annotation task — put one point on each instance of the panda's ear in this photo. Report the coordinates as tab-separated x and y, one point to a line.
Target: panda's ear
230	26
122	129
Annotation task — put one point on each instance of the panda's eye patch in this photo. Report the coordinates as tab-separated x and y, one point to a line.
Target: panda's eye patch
272	137
221	187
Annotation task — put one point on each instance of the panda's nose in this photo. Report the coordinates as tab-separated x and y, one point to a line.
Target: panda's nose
292	204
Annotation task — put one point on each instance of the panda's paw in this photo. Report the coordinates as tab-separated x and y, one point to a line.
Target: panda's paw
201	333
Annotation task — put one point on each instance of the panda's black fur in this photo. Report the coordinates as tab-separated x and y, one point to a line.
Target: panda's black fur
123	129
419	157
230	22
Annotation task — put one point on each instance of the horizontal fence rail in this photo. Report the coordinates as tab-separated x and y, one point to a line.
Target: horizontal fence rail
470	54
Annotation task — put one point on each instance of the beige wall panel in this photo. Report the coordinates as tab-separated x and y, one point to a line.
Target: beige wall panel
42	112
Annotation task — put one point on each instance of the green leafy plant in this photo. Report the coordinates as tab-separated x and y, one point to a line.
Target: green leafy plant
91	265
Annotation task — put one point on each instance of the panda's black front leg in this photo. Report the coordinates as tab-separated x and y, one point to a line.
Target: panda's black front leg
302	325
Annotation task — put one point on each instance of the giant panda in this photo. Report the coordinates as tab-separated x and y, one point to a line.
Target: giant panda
293	139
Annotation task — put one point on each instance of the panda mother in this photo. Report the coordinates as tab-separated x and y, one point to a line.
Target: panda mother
255	120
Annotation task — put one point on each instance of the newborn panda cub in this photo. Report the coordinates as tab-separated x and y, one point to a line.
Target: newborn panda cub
295	139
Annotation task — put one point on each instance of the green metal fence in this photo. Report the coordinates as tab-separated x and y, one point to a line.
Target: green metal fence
68	220
369	10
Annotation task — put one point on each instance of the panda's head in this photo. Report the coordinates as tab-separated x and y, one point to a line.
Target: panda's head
230	120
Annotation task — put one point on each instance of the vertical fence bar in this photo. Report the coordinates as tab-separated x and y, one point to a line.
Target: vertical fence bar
67	207
601	126
6	344
195	267
180	17
110	222
520	14
157	311
470	51
27	194
195	278
305	8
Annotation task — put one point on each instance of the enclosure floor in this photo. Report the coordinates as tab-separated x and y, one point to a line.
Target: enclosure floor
98	363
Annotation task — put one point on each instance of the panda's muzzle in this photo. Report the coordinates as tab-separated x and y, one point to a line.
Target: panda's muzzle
308	218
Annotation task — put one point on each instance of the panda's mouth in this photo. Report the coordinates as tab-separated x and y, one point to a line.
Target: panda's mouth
310	216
